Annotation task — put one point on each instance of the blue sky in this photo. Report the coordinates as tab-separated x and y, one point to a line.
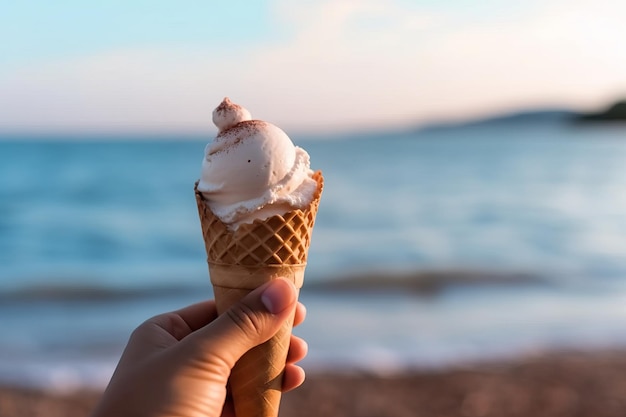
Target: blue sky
42	30
161	66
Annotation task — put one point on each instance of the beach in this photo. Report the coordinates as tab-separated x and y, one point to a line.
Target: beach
558	384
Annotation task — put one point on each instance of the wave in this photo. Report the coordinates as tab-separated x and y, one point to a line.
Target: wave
67	292
425	282
419	282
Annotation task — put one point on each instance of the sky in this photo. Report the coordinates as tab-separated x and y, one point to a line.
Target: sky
120	66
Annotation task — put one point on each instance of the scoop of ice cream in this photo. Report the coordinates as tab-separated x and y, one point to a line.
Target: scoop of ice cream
252	170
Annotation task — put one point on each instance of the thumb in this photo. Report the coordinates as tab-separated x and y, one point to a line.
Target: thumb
249	322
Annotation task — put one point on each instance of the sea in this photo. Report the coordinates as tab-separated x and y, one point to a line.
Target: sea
432	248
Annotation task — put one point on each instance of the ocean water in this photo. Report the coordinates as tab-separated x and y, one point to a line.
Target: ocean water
98	235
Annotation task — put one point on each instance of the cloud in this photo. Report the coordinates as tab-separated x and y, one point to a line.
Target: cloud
342	63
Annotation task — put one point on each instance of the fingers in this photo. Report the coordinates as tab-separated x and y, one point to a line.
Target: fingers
298	349
200	314
300	314
293	377
248	323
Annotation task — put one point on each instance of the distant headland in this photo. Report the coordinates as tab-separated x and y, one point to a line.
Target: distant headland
614	113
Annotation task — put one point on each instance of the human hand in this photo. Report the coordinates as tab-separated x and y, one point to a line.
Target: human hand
178	363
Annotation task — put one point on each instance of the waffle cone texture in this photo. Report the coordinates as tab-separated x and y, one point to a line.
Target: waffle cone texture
242	260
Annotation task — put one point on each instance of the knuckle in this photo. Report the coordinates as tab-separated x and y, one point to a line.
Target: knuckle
246	319
143	328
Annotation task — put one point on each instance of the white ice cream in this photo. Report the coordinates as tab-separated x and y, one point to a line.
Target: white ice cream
252	170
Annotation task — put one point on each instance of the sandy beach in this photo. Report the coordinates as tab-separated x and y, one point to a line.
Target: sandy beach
554	385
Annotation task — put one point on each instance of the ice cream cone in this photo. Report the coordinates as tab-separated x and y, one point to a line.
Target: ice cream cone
243	259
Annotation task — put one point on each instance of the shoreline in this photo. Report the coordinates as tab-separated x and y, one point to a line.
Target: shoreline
563	384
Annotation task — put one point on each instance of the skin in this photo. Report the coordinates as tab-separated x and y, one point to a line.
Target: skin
177	364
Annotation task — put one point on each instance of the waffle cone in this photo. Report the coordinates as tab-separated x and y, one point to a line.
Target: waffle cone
242	260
